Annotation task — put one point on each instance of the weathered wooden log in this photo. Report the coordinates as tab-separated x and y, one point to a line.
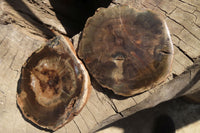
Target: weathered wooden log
194	97
185	84
22	34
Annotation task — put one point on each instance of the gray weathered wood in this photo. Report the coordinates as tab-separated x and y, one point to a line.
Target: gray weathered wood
185	84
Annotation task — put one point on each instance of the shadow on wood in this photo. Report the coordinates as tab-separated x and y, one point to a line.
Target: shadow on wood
27	14
193	81
161	94
71	13
164	117
74	13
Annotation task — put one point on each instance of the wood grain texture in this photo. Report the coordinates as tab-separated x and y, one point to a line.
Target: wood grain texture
18	40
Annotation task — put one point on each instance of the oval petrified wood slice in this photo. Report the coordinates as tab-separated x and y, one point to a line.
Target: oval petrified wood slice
125	50
54	85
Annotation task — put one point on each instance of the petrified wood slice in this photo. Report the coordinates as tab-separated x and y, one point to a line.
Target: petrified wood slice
54	85
125	50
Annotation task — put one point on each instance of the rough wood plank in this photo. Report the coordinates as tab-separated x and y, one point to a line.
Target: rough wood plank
15	48
184	84
100	108
19	39
123	104
32	15
71	128
181	62
140	98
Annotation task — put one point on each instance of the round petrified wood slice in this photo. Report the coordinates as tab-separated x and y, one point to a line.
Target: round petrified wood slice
125	50
54	85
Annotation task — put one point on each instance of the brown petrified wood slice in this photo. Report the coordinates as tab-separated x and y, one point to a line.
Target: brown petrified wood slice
54	85
125	50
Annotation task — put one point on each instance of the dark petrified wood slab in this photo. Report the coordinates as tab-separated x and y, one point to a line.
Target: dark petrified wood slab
125	50
54	85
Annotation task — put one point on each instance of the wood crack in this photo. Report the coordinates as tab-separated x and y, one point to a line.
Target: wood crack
187	3
98	97
162	10
77	126
183	27
113	105
189	13
116	3
2	91
184	53
91	114
172	11
182	41
134	100
3	56
3	39
181	50
13	59
41	6
85	122
5	19
197	25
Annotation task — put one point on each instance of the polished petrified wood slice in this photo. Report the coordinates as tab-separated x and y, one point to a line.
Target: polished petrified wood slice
54	85
125	50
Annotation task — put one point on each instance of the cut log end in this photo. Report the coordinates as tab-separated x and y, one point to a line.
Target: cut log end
125	50
54	85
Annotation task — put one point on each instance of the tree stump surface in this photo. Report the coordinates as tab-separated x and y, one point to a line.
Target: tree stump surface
25	26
